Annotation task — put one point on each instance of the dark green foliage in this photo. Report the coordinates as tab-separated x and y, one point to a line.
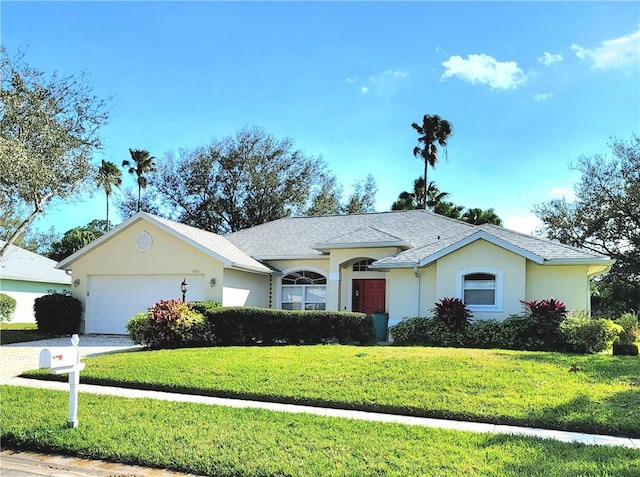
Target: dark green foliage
484	334
589	335
542	330
58	313
537	330
631	328
453	313
7	307
266	326
426	331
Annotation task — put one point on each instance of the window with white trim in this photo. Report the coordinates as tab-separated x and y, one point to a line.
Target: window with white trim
304	290
479	289
363	265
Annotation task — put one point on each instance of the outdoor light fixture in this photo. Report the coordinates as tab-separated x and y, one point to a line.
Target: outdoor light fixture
212	282
76	282
184	286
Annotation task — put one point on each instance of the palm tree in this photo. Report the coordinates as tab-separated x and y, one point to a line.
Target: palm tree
143	163
108	176
416	199
478	217
434	130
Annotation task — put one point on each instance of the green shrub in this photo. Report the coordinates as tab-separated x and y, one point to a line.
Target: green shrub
58	313
630	333
541	331
7	307
484	334
453	312
586	335
141	332
426	332
266	326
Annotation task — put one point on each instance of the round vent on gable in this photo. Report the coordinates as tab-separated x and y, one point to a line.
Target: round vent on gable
144	241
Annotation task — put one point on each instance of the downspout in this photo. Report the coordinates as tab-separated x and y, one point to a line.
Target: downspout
415	272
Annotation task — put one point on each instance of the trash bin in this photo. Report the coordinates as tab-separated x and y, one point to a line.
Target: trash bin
380	324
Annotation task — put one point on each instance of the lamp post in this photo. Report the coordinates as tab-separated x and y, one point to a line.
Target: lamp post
184	286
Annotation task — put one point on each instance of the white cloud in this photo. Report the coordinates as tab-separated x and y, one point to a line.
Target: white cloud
543	96
526	224
364	90
351	80
385	84
485	69
550	58
614	53
563	193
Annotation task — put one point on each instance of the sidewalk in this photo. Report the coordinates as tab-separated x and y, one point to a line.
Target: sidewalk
563	436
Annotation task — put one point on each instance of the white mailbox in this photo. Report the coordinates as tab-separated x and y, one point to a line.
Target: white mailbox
60	360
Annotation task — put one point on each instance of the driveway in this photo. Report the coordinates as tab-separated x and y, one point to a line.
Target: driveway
20	357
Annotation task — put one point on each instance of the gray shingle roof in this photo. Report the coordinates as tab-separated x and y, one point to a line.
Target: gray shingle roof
215	243
20	264
537	249
300	236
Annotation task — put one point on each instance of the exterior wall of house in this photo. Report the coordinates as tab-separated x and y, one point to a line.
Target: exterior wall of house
482	255
567	283
402	296
25	293
166	256
244	289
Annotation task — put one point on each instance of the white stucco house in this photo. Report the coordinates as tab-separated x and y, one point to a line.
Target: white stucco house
398	262
25	276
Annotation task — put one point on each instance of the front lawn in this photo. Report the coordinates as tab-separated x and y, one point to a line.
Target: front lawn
20	333
226	442
496	386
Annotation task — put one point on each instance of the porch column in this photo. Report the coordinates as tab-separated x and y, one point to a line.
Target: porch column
333	291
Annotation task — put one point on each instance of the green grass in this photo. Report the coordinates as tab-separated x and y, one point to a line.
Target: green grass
20	333
495	386
214	440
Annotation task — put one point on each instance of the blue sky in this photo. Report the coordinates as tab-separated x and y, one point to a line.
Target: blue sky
528	86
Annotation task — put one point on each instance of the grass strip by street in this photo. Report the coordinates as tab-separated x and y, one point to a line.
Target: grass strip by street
20	333
495	386
214	440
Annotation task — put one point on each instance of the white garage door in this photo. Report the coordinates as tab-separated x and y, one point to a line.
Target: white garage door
113	300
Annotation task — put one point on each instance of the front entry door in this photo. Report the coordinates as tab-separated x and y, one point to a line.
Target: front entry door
368	296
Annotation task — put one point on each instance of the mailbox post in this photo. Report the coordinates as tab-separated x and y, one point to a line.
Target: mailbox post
62	361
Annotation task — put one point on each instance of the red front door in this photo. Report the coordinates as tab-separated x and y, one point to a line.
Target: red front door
368	296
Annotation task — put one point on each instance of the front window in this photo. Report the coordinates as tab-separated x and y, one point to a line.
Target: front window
479	289
304	290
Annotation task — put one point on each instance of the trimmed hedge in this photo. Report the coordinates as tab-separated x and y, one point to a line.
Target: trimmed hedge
58	313
7	307
166	325
267	326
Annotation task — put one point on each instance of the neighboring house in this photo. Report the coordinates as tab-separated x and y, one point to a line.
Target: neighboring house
25	276
398	262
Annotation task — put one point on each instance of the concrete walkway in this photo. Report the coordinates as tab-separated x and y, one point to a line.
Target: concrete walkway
22	360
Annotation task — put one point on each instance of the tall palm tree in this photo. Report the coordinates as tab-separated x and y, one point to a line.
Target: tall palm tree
108	176
144	163
433	130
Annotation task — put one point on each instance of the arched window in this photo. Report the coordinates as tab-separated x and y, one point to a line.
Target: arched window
363	265
304	290
481	288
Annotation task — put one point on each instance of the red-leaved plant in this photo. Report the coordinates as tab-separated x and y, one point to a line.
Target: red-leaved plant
550	308
453	312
